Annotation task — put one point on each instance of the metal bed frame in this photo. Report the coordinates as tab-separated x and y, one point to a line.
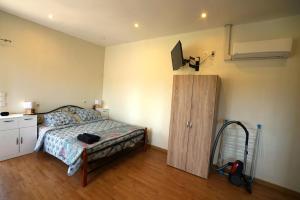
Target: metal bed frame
90	166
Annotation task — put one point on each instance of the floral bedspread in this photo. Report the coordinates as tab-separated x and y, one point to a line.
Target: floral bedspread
62	142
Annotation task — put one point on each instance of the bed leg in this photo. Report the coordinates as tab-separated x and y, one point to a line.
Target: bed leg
84	168
145	139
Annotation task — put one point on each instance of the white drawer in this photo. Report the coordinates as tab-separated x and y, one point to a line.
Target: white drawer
9	123
27	121
104	112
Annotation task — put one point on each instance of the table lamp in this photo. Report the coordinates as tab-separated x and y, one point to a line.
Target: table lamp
28	106
98	104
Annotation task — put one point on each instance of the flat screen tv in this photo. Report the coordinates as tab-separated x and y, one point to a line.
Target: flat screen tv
177	56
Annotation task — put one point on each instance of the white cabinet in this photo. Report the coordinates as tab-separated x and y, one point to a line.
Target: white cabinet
9	143
18	135
28	137
104	112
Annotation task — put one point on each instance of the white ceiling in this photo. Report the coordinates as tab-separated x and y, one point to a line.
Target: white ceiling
108	22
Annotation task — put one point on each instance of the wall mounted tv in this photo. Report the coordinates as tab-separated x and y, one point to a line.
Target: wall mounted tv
178	60
177	56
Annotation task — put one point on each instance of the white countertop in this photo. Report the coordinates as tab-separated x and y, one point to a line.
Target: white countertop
11	116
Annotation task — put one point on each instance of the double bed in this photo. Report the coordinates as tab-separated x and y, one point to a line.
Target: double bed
59	139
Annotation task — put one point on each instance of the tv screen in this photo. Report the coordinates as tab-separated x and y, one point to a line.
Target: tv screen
177	56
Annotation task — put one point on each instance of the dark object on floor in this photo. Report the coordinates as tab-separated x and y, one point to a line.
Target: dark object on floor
88	138
236	174
4	113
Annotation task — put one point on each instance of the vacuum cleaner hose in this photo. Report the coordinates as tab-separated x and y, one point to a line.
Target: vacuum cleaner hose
218	137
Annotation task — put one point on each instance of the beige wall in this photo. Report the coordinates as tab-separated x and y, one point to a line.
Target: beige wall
138	84
46	66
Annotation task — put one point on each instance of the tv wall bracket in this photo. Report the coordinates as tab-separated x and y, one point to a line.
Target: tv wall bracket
195	62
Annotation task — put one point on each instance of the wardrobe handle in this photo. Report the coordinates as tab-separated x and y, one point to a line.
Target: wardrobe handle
191	124
187	124
21	140
17	141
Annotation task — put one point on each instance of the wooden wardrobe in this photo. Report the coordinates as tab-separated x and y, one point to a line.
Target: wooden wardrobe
192	125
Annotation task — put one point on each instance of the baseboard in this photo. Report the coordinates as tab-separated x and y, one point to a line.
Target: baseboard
277	187
158	148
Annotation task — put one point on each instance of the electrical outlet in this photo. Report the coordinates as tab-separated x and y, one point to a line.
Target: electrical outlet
207	54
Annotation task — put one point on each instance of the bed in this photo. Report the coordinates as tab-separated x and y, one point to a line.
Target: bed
59	128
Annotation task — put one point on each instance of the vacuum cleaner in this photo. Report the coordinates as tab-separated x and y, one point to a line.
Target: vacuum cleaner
235	170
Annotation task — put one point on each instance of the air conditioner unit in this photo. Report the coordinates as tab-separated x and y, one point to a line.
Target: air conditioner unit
267	49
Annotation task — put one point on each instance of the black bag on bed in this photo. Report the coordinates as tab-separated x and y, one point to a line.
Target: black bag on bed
88	138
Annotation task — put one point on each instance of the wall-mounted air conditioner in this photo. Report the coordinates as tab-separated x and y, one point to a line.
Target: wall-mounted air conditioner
266	49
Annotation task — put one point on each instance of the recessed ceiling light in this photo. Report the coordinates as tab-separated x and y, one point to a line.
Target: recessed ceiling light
50	16
136	25
203	15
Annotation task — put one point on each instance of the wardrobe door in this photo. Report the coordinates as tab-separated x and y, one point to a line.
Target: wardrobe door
204	107
180	115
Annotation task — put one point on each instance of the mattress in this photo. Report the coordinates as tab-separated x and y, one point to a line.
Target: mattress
62	142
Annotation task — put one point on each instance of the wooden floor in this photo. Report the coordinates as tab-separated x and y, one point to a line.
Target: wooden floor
141	175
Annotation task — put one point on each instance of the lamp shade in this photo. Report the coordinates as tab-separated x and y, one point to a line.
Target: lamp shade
28	104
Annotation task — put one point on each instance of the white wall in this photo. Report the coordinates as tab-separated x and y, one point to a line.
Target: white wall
138	86
46	66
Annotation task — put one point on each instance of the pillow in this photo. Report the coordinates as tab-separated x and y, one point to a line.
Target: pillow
73	110
89	115
58	119
69	109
